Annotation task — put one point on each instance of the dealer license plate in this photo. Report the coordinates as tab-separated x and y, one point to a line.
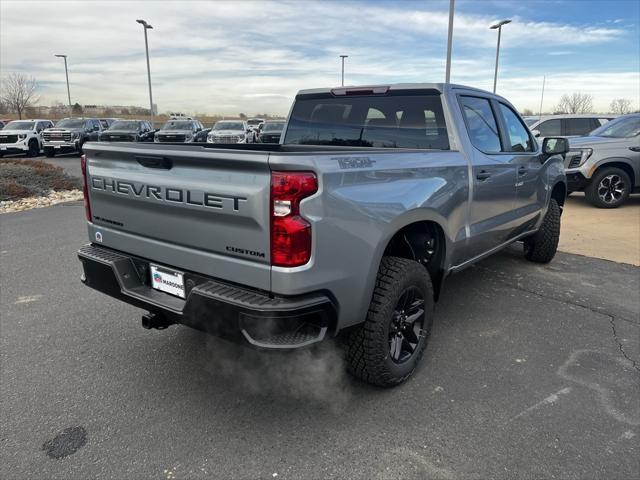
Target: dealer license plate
167	280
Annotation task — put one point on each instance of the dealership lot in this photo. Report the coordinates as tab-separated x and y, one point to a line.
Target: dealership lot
531	371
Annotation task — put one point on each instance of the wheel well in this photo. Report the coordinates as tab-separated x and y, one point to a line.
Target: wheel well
423	242
559	193
622	166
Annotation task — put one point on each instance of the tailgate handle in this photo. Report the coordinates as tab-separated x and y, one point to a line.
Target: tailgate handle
155	162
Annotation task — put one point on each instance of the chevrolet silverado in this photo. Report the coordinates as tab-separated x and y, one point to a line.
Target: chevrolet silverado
348	227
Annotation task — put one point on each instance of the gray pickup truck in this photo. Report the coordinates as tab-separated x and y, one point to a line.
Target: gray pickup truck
348	226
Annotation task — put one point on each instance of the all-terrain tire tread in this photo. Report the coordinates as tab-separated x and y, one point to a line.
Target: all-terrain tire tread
365	357
542	246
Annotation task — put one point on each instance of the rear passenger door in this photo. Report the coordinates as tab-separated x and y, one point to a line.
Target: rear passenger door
492	214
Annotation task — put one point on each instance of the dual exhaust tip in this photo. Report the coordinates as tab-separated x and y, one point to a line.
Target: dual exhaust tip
154	320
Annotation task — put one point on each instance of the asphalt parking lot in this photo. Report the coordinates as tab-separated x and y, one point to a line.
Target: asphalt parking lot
532	372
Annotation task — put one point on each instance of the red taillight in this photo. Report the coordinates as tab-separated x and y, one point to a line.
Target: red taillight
85	188
290	233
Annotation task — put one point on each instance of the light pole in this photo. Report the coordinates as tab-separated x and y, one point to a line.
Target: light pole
66	72
449	41
343	57
146	27
499	27
544	78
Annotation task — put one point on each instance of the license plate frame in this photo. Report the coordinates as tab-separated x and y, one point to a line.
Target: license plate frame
167	280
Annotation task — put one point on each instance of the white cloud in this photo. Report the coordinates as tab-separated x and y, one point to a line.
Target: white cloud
249	56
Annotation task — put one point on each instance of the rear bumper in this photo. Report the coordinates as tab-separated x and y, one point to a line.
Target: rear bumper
219	308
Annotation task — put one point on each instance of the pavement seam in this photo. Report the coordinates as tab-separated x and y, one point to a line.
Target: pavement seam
615	337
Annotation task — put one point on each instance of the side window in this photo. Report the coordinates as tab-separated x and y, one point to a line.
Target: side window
577	126
550	128
481	124
95	124
519	139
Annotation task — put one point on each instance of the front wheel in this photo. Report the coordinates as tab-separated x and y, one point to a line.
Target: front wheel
388	346
34	149
541	247
608	188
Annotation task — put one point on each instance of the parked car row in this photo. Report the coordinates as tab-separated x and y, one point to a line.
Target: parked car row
69	134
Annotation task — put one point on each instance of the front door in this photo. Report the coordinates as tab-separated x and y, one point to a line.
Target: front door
522	153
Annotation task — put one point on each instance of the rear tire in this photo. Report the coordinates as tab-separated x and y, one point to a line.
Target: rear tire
388	346
541	247
49	152
608	188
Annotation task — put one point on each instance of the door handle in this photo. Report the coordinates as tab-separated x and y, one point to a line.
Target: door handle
483	175
522	170
634	149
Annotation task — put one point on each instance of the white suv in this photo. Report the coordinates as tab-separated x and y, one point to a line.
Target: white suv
23	136
566	125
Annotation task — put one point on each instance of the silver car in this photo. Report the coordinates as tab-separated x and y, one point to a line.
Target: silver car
606	164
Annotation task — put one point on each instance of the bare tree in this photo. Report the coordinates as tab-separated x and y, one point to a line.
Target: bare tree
527	112
18	92
575	103
620	106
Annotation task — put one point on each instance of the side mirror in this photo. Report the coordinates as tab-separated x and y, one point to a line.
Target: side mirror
555	146
535	133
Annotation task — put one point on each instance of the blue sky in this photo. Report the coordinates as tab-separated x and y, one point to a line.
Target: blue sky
252	56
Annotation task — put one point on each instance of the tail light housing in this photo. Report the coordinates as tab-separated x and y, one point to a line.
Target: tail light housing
290	233
85	188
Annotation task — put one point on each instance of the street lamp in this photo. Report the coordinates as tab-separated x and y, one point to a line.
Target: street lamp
146	27
499	27
66	72
343	57
447	77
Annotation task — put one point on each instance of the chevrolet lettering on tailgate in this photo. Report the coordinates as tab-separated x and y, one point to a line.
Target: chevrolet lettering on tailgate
168	194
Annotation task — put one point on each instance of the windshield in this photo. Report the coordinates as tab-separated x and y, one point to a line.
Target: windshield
273	127
394	121
177	125
530	121
228	126
19	126
124	126
621	127
70	123
254	121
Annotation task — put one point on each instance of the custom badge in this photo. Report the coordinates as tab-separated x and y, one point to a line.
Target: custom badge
99	237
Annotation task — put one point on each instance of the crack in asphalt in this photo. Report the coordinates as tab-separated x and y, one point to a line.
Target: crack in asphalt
611	317
615	336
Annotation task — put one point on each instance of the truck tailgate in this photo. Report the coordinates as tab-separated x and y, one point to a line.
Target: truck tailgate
189	207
